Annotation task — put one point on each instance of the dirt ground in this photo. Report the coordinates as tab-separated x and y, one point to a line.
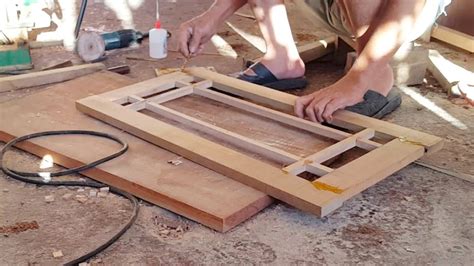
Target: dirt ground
416	216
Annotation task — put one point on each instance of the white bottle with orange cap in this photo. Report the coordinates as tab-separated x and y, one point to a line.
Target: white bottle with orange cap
158	41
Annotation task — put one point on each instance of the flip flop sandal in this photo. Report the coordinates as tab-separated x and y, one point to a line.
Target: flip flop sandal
376	105
264	77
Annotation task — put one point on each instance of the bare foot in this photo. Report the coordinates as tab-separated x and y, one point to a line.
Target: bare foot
382	83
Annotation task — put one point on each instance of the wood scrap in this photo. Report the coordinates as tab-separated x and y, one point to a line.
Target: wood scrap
317	49
41	44
453	37
456	80
313	50
121	69
19	227
58	64
133	57
202	53
166	70
249	16
256	41
47	77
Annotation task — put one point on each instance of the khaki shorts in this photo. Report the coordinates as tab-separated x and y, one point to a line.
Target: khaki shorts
329	14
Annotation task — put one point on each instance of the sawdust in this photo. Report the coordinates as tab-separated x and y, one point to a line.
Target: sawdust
240	47
168	228
19	227
302	37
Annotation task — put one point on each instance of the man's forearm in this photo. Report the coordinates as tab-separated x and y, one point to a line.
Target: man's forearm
391	28
223	9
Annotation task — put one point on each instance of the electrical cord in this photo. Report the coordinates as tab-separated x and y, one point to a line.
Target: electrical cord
30	177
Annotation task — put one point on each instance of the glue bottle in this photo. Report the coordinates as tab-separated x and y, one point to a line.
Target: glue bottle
158	41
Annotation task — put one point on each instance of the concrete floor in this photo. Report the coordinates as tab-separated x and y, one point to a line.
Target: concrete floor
416	216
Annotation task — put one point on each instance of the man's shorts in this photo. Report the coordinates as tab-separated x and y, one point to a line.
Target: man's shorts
330	15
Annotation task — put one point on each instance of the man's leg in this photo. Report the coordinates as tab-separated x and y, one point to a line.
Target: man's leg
388	28
282	57
360	16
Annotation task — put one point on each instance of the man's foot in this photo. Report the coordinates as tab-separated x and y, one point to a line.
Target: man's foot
376	105
281	68
261	75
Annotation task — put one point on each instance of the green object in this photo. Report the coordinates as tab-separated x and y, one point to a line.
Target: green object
12	57
29	2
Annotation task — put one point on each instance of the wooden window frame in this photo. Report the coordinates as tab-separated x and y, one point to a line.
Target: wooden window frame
319	197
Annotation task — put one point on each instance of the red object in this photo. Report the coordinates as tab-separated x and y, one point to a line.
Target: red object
157	24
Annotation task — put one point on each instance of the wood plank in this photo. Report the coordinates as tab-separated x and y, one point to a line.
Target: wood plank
454	37
317	49
190	190
48	76
268	179
285	102
453	78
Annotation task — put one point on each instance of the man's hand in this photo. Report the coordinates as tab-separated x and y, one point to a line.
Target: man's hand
320	105
194	33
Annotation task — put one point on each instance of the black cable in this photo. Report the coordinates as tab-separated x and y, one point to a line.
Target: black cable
33	178
82	11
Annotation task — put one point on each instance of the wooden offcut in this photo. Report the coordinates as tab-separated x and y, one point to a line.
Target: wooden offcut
454	37
320	197
453	78
48	76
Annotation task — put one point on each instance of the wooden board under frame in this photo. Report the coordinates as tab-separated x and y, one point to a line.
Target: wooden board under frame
400	147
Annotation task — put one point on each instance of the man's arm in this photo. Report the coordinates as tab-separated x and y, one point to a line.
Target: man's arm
194	33
388	30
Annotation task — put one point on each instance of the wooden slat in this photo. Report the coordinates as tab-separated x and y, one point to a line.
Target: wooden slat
171	95
329	152
48	76
226	135
318	169
136	103
319	48
137	106
178	93
147	87
285	102
454	37
273	181
449	75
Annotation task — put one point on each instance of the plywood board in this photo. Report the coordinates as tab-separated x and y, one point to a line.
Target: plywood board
188	189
